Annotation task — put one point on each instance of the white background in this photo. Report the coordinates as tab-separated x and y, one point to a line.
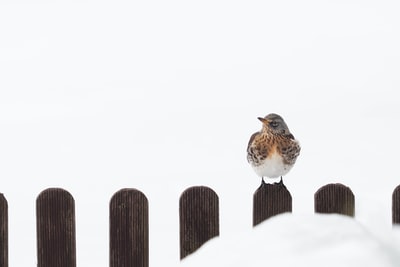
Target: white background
156	95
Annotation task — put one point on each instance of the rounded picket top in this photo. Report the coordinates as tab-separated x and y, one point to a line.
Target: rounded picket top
3	231
56	194
396	205
55	223
128	194
334	198
198	191
129	229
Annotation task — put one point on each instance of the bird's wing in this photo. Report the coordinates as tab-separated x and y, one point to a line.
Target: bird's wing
251	140
290	151
291	136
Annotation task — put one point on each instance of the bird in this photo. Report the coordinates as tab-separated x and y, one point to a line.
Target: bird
272	151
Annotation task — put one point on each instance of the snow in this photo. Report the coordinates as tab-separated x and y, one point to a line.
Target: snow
300	240
96	96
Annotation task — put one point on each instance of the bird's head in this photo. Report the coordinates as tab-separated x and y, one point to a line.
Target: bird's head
273	123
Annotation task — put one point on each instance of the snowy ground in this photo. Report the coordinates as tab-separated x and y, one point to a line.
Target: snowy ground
301	240
162	95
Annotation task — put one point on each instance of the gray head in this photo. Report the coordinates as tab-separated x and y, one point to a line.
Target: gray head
274	124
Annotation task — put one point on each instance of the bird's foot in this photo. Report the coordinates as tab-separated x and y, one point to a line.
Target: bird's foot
262	182
281	183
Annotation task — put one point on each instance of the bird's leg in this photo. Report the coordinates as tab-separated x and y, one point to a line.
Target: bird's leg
280	182
262	182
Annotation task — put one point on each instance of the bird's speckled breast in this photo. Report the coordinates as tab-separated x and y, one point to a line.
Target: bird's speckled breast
272	167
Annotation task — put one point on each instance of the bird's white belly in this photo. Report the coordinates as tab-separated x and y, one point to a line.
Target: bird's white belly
272	167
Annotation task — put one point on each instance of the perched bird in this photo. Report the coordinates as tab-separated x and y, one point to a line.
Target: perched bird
273	151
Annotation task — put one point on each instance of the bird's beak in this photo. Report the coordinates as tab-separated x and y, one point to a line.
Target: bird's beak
263	120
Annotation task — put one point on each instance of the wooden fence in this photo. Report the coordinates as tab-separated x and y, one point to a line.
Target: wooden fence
129	225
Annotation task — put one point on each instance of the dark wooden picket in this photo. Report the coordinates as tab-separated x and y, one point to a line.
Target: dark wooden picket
129	220
270	200
129	229
198	217
55	222
396	205
334	198
3	231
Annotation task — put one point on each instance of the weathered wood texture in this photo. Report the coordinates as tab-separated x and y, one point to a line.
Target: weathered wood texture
129	229
55	222
270	200
198	217
129	226
396	205
3	231
334	198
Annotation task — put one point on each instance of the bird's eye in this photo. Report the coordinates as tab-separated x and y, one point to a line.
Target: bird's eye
274	124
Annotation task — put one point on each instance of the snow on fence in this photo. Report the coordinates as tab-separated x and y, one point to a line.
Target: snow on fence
129	225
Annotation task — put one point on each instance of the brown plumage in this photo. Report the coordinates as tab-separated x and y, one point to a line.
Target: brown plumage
273	151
